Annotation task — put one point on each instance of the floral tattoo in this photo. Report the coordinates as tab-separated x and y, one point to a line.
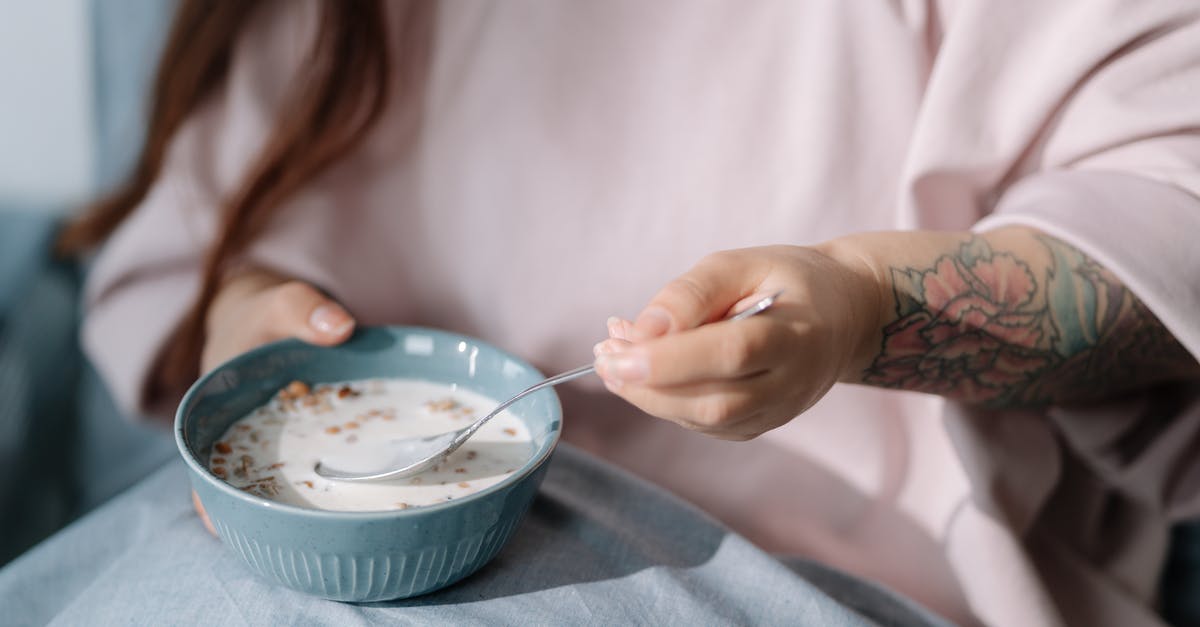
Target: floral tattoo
981	326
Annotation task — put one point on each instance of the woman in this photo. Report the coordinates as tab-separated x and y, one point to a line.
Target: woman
979	211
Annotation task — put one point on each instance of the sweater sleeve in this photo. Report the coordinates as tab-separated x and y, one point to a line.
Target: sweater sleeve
1114	169
1079	118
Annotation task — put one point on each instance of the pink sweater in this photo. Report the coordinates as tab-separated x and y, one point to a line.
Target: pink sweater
574	157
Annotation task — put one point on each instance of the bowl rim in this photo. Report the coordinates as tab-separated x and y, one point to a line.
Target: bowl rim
520	474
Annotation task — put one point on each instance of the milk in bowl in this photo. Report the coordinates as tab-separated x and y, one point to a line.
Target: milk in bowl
271	452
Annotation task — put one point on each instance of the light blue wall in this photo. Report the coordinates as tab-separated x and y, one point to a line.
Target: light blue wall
73	77
46	149
127	36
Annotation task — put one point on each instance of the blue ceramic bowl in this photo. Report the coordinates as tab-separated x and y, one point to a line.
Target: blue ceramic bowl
365	556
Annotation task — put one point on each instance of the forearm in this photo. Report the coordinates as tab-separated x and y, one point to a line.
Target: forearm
1008	317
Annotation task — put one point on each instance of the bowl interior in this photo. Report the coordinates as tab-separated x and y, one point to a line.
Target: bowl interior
238	386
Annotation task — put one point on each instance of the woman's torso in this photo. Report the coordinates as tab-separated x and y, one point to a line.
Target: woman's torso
571	159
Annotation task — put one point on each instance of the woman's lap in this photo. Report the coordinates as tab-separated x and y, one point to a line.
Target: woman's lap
598	546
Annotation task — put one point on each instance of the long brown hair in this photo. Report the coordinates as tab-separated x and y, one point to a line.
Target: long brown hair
340	92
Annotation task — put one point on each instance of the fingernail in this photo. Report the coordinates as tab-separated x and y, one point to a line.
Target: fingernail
622	368
651	323
330	320
615	328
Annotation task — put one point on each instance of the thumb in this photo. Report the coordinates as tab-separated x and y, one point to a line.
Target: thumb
300	310
701	295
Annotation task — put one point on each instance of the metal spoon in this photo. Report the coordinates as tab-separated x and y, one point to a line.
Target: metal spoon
414	455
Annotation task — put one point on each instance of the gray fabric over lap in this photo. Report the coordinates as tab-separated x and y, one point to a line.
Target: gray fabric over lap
597	547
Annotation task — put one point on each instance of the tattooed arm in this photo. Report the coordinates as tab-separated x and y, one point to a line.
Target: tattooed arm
1010	317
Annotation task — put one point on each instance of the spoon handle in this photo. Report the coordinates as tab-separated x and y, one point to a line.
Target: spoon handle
555	380
465	434
756	308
